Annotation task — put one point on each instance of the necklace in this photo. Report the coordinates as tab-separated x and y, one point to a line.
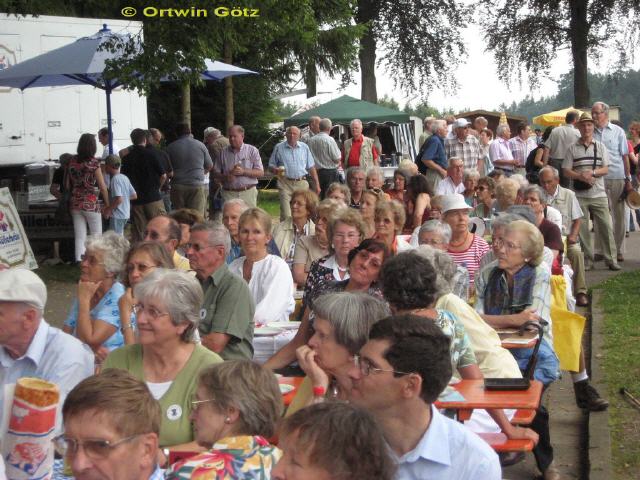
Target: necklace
466	236
340	269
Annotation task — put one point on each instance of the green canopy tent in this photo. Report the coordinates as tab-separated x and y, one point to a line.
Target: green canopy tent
345	108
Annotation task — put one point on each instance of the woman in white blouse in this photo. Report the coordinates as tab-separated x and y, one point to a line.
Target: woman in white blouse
268	276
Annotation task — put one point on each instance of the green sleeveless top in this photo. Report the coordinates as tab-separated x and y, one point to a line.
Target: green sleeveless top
175	404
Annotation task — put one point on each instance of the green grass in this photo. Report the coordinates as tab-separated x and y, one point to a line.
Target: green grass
268	201
59	273
622	367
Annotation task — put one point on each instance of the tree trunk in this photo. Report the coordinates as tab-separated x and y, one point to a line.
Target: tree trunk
229	118
185	116
310	78
578	31
366	14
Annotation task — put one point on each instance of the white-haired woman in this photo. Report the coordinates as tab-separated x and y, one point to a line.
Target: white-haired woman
94	316
167	359
515	289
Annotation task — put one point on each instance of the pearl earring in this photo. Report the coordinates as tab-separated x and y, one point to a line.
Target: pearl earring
227	420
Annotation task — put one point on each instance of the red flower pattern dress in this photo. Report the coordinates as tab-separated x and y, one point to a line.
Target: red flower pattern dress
84	185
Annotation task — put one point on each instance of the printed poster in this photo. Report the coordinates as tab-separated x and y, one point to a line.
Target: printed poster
15	250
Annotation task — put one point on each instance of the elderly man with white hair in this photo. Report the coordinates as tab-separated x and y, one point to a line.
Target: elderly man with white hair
432	160
29	346
500	150
618	178
426	130
359	151
326	155
437	234
291	160
453	183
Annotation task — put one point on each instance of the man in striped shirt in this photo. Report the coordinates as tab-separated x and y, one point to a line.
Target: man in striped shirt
521	145
587	162
465	146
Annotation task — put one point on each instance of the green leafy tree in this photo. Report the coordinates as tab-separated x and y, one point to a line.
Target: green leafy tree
422	110
389	102
526	37
421	39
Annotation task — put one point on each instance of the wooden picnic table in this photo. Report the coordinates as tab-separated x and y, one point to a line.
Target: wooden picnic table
476	397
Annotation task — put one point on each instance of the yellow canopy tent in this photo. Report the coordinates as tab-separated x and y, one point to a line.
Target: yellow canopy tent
552	119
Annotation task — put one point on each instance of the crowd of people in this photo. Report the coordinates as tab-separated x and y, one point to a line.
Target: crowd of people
404	286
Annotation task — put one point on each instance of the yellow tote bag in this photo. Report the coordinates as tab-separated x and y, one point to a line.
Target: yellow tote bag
567	327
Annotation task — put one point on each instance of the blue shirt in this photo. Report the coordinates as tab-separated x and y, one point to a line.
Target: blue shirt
448	450
434	150
53	356
614	138
106	310
121	187
296	161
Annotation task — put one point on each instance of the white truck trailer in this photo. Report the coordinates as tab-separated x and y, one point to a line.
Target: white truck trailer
39	124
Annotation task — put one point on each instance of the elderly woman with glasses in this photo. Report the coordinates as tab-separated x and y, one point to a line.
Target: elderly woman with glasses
365	262
515	289
470	181
437	234
341	327
94	317
142	259
166	357
409	282
235	409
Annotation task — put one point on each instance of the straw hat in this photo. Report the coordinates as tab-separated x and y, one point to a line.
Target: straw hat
633	200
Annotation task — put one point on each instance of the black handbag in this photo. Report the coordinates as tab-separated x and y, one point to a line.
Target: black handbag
579	184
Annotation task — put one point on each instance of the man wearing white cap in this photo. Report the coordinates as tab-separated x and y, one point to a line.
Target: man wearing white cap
464	146
29	346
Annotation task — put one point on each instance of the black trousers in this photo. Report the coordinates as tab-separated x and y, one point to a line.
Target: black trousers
327	176
543	451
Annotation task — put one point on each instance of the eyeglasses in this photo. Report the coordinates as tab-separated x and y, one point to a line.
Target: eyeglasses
481	188
366	367
197	248
141	267
93	448
349	236
431	241
195	403
507	245
90	259
139	308
152	235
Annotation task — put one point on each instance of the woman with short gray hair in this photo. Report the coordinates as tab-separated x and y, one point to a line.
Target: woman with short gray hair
166	358
235	410
94	317
341	327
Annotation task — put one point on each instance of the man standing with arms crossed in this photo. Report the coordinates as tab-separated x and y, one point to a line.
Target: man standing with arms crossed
618	179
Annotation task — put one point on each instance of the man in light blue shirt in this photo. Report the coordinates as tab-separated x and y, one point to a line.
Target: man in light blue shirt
29	346
290	161
397	376
618	179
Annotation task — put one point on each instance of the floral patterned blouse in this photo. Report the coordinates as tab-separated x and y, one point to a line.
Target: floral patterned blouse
84	185
232	458
461	352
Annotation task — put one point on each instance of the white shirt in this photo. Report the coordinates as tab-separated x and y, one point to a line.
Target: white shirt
52	355
554	216
448	450
447	187
271	287
105	151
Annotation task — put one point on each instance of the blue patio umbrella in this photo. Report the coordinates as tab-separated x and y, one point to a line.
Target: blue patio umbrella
83	63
